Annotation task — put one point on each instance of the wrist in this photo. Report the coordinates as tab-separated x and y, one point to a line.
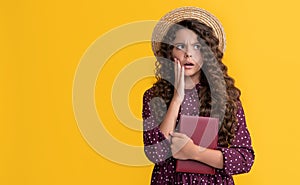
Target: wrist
176	101
196	154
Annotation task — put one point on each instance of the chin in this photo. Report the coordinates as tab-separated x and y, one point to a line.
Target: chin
189	74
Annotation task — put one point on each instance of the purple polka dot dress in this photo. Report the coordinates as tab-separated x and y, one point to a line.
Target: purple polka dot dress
238	158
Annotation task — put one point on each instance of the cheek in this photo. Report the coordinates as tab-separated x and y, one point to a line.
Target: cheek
198	59
178	54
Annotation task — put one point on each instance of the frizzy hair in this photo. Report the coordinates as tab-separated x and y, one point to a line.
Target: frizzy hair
218	95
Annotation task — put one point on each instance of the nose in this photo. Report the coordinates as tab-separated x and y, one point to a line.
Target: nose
188	52
187	55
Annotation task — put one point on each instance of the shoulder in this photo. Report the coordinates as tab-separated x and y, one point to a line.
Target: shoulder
147	97
240	115
240	109
148	94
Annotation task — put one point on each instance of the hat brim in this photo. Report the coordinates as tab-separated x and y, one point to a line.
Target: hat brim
183	13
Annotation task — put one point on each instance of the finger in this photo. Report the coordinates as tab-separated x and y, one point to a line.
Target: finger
170	137
178	71
175	71
178	142
175	59
177	134
182	75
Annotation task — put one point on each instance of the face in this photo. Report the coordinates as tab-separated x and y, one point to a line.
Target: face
187	51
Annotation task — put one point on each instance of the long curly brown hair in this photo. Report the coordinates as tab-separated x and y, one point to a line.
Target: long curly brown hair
218	95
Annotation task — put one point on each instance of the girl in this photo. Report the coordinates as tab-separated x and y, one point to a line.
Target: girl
192	80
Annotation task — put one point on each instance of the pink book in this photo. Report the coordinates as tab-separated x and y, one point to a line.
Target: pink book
204	132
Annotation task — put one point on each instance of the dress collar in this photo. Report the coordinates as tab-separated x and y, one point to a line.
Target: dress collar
197	87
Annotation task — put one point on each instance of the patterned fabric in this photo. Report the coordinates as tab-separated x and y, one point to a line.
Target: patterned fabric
238	158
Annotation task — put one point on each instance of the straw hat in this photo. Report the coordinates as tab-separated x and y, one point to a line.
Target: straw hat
182	13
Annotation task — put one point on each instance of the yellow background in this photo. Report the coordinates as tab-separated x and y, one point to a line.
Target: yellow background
42	42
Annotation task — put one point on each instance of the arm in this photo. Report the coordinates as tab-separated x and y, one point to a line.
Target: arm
238	158
184	148
169	122
157	147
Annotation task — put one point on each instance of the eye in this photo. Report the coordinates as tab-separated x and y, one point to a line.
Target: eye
197	46
179	46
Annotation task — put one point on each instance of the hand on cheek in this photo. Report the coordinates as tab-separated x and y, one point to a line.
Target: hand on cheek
179	82
178	56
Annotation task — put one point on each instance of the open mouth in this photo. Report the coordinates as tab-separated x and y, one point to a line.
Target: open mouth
188	64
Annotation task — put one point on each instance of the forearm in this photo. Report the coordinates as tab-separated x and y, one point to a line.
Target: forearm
169	122
211	157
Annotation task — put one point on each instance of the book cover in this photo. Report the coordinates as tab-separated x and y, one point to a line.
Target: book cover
204	132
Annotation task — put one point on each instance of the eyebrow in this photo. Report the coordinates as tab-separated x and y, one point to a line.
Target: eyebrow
184	43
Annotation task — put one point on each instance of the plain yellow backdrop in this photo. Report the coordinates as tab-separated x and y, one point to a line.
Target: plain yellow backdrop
42	42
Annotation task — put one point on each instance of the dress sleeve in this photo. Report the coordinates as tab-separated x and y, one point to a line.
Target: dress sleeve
239	157
156	146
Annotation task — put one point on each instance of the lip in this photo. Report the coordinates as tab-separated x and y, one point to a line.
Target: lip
188	65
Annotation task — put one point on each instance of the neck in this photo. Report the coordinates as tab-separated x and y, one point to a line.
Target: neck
190	82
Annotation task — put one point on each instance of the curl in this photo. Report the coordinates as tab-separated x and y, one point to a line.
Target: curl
218	95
